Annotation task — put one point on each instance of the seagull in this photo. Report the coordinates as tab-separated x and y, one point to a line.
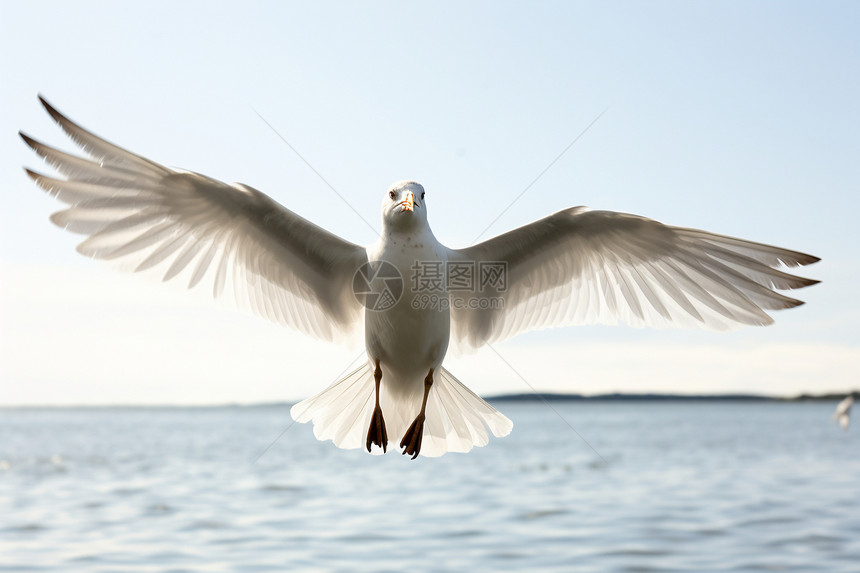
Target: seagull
409	295
843	412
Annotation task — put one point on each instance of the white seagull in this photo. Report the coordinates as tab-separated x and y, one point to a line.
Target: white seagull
411	294
843	412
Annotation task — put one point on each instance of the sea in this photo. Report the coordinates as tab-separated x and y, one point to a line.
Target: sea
591	485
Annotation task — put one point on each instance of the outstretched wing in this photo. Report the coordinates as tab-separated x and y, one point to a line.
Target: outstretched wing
233	237
581	267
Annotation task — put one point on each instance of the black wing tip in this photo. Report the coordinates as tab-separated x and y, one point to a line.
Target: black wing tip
52	111
32	174
798	259
45	103
32	143
801	282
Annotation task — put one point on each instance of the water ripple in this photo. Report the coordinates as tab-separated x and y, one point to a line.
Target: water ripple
688	487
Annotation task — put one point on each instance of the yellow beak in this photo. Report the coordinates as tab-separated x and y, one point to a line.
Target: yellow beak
409	202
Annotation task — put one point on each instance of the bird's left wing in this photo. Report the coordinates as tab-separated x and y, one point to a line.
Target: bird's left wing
135	211
580	267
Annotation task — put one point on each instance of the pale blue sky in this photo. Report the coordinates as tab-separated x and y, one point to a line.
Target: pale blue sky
737	117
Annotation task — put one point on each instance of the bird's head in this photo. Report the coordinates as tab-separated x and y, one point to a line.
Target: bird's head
403	207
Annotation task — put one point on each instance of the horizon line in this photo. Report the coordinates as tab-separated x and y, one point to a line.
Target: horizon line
511	397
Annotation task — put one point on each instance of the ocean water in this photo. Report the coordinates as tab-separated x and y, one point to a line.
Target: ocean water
680	486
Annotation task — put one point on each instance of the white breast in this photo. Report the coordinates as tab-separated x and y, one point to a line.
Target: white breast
411	337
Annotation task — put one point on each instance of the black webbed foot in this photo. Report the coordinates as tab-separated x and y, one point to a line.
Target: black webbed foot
411	442
376	433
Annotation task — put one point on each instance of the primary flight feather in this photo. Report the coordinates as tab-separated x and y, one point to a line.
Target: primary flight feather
407	294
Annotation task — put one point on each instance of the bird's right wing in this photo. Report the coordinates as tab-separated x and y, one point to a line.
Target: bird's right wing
276	263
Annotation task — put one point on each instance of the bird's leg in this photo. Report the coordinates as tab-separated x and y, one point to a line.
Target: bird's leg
376	433
411	442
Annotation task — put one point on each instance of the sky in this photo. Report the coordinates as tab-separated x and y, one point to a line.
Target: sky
741	118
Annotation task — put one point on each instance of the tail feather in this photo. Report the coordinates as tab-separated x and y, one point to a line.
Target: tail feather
337	412
457	419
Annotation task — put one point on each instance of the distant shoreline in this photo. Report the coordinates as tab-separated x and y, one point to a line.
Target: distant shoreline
655	397
504	398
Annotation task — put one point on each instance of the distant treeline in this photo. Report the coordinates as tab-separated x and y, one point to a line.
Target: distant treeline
550	397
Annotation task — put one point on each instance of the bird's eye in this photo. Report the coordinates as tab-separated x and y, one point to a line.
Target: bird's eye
422	195
392	194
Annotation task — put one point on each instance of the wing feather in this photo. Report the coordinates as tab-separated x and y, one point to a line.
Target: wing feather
580	267
133	210
204	262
